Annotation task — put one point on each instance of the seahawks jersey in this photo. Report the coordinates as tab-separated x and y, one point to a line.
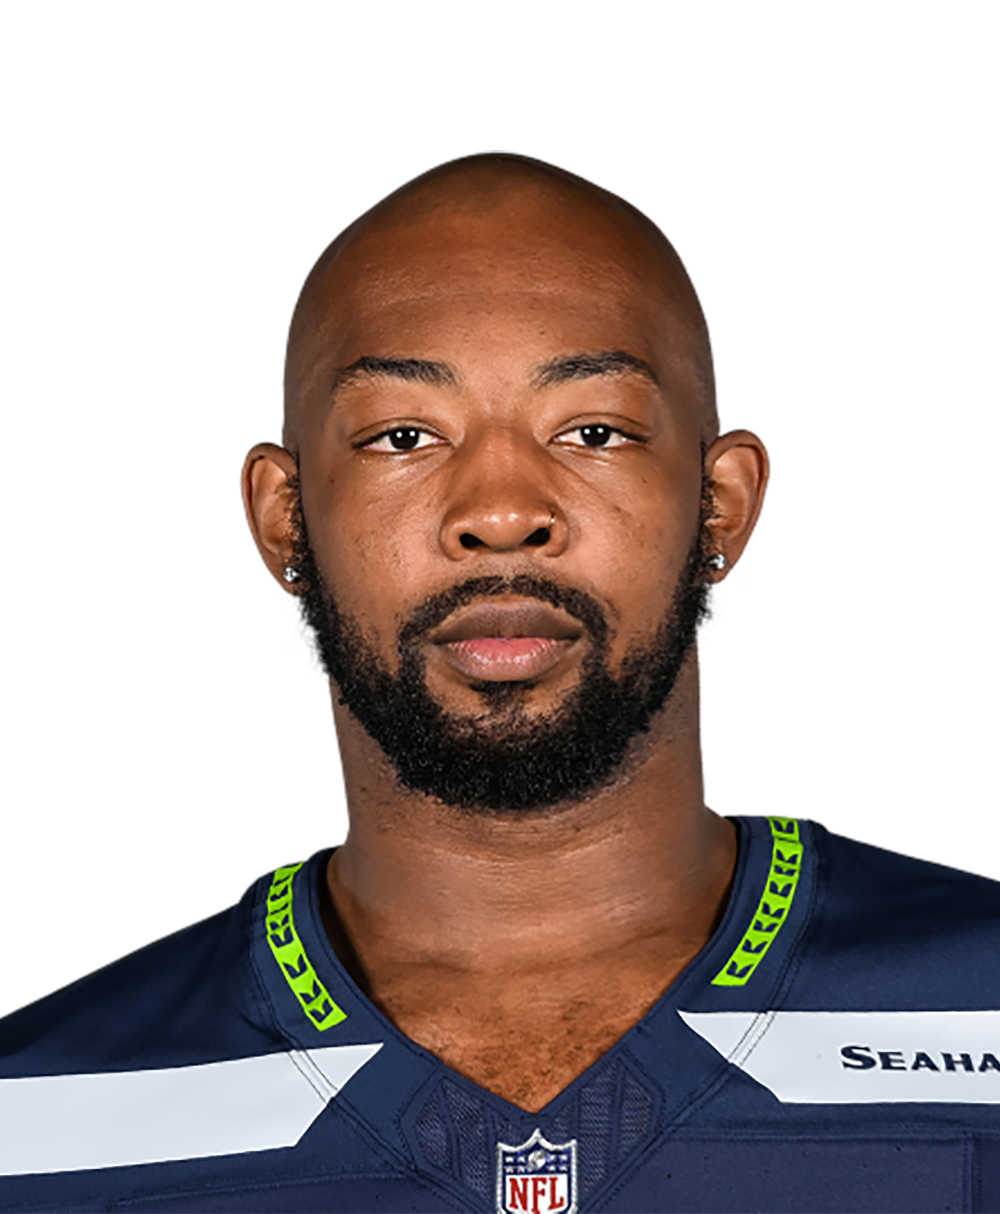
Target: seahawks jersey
835	1046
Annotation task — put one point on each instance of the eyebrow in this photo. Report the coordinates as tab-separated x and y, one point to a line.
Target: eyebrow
410	370
587	366
437	374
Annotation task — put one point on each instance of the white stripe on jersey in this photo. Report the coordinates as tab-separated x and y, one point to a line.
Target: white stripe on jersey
61	1123
861	1057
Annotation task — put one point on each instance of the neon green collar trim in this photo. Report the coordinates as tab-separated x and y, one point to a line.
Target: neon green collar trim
279	924
772	910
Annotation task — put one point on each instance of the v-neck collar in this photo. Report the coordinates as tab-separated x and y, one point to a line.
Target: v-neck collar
658	1044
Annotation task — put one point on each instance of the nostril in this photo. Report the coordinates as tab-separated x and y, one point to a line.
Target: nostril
536	539
539	537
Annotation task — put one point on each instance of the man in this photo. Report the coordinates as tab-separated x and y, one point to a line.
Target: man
539	975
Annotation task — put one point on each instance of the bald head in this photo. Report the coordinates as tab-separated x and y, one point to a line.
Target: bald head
492	226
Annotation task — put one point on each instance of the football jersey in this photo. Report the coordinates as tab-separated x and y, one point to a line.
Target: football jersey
835	1046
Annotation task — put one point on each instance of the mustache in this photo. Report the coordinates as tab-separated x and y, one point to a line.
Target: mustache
435	610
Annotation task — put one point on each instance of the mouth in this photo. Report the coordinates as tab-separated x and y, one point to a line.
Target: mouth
506	641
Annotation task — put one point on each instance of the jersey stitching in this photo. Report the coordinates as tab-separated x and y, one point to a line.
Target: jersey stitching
311	1073
754	1035
773	908
289	953
137	1199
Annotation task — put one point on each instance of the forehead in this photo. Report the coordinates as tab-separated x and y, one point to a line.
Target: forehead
540	255
494	292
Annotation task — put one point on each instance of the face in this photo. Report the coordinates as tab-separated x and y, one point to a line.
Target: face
500	444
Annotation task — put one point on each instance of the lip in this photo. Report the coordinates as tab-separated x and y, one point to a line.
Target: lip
503	641
505	659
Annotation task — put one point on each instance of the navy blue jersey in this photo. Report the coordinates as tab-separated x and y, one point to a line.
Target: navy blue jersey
835	1046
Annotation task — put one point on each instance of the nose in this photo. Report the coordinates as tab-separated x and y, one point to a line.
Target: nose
501	502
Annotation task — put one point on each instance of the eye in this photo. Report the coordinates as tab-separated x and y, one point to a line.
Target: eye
402	438
594	435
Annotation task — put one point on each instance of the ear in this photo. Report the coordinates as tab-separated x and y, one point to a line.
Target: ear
736	467
269	498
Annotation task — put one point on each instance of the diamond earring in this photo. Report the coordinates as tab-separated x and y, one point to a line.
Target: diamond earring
718	562
291	574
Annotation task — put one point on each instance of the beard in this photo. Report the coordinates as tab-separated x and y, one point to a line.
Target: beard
505	760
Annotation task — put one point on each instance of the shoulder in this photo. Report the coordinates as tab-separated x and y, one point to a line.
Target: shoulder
188	998
913	928
859	879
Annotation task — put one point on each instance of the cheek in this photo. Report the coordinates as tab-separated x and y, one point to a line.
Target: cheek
371	554
635	548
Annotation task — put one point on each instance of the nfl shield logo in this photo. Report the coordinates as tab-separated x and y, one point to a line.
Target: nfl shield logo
538	1177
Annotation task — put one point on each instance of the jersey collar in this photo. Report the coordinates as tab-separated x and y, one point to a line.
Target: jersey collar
745	966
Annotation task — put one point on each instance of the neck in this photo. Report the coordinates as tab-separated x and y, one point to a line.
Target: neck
420	883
